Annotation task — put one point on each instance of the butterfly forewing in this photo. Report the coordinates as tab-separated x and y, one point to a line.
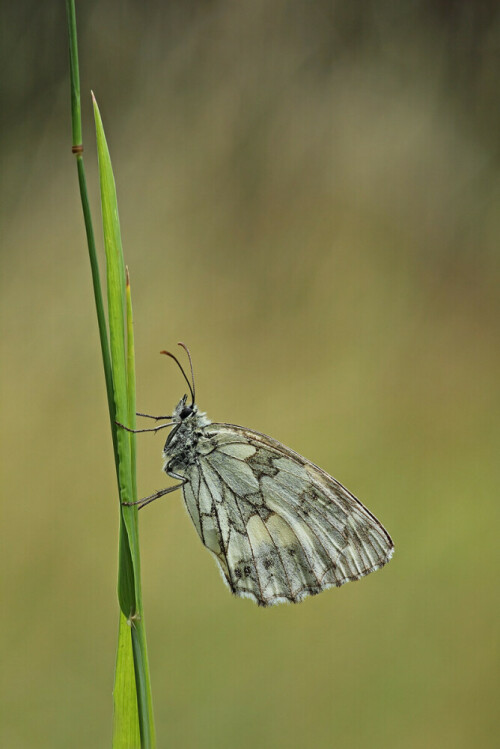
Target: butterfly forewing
280	527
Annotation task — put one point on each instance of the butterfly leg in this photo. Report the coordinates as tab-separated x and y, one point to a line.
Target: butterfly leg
146	500
156	418
139	431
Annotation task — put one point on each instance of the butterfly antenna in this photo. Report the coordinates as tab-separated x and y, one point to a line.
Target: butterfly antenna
176	360
193	391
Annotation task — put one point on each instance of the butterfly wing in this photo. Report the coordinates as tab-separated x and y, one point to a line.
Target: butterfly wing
280	527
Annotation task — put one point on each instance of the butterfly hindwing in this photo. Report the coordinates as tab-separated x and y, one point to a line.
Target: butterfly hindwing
280	528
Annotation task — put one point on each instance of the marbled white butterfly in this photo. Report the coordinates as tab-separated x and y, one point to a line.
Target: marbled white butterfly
279	527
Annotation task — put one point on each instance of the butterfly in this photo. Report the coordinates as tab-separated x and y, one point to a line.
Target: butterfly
279	527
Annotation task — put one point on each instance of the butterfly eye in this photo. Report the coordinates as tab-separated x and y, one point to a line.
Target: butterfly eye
186	411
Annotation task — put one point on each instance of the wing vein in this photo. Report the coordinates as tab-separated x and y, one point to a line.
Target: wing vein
261	599
221	537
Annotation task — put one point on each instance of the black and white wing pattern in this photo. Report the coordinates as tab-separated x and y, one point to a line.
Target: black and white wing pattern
279	527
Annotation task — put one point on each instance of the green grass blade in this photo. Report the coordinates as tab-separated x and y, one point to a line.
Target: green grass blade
115	274
122	362
139	644
133	724
125	716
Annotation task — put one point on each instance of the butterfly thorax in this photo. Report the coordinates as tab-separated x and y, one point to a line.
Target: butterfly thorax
182	445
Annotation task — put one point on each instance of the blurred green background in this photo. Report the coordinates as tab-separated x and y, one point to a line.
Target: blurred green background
309	199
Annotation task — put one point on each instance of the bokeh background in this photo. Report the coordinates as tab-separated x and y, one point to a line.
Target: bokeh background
309	198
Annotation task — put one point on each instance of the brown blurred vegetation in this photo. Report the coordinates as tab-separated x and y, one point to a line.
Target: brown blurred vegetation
308	194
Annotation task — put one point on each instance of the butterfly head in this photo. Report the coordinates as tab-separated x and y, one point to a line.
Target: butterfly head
183	410
188	417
